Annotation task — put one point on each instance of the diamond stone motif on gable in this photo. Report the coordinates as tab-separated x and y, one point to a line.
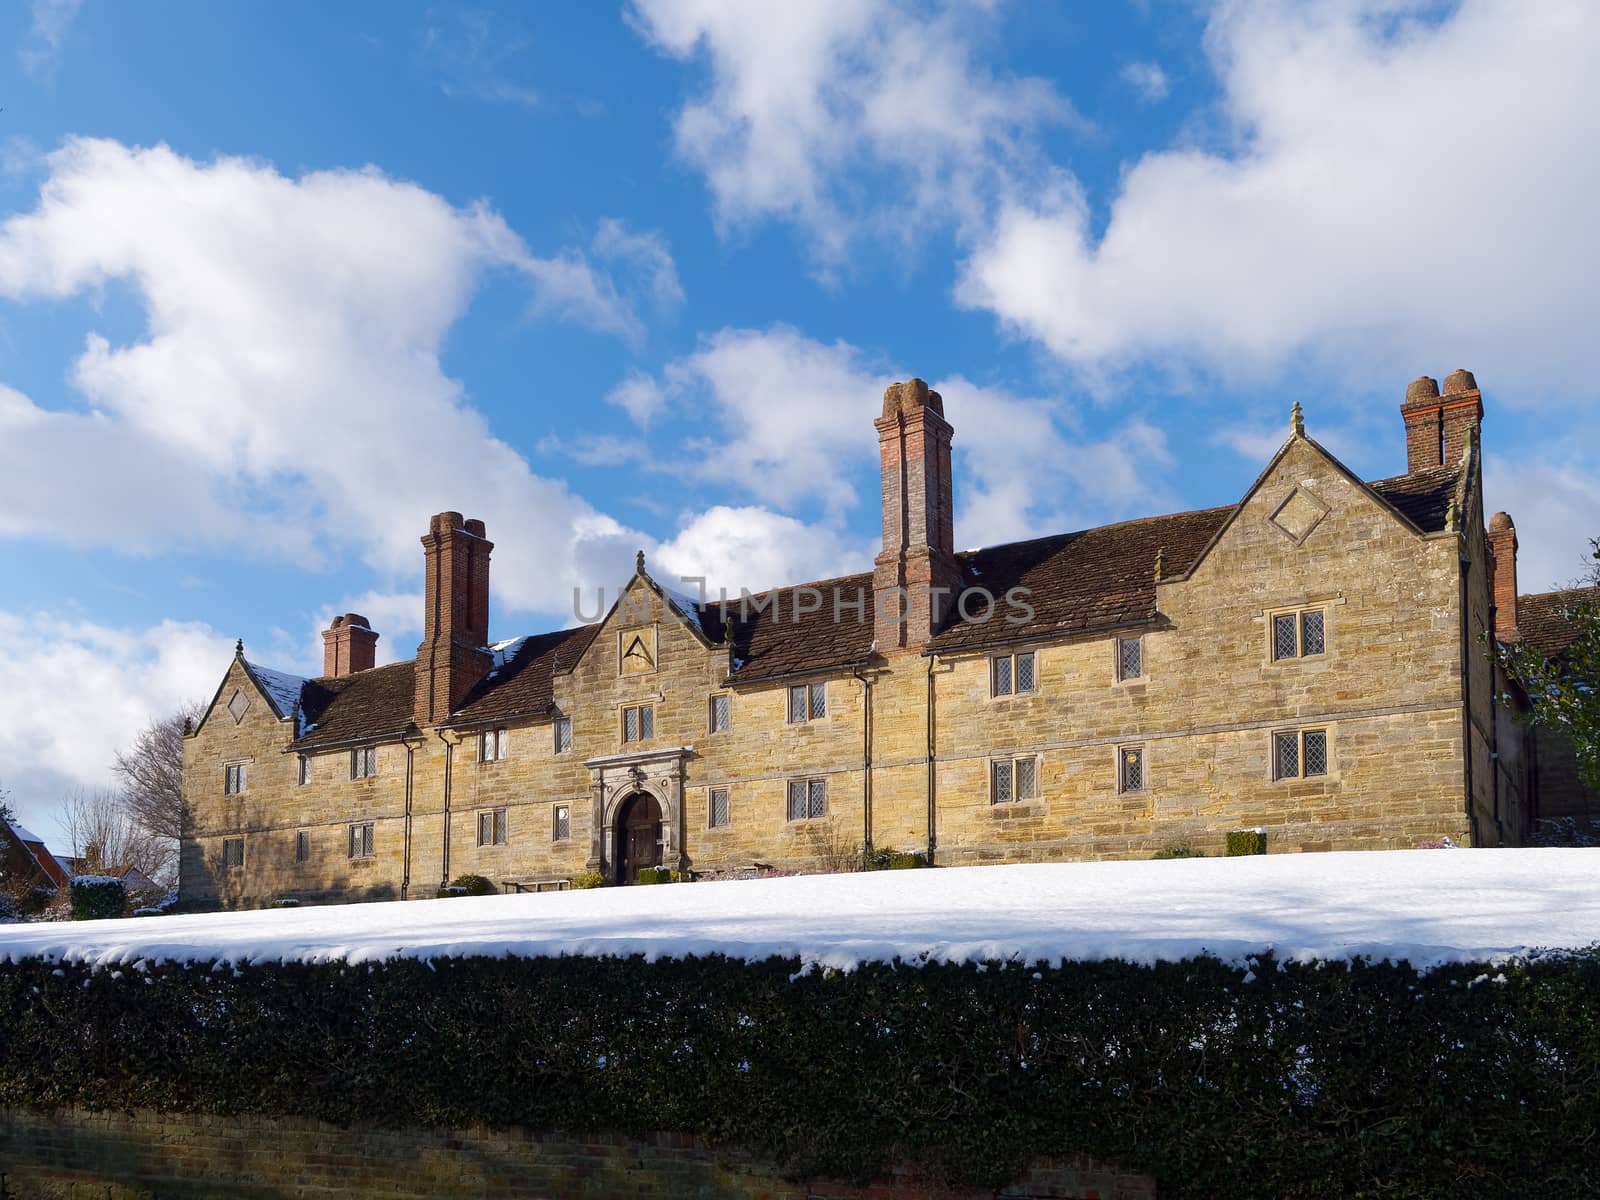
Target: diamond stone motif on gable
238	705
1299	514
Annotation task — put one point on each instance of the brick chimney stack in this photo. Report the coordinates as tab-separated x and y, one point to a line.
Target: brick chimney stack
348	645
454	652
918	519
1438	427
1503	577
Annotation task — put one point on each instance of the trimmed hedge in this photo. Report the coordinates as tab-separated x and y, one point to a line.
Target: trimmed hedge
96	897
1246	841
1289	1080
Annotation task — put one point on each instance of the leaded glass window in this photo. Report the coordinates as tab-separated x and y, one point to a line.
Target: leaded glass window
492	827
1316	752
819	700
233	779
1130	769
797	799
1130	658
1004	782
1002	676
233	852
797	704
361	841
561	823
1286	755
363	762
817	794
1284	644
1027	775
563	734
1024	672
1311	631
302	846
720	713
717	808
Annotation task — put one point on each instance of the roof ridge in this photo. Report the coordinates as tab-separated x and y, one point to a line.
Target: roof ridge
1566	591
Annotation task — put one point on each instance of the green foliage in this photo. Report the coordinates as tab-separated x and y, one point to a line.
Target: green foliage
98	897
1565	692
470	885
1178	852
1246	841
589	879
896	860
1304	1080
650	875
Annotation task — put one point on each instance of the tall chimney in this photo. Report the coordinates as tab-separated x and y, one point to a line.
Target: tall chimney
1503	580
454	652
348	645
1438	427
916	578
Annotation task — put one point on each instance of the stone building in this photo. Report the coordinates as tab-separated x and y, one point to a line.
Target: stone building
1309	660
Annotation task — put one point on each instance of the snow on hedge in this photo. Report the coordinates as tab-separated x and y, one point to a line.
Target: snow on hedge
1427	906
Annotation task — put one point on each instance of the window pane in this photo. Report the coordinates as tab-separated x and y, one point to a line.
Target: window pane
1025	672
366	840
1002	677
563	823
630	724
647	721
1286	755
1130	658
485	828
563	734
797	704
1132	770
1027	774
719	807
302	847
1311	632
797	799
1316	752
719	714
819	700
1002	781
819	797
355	841
1283	640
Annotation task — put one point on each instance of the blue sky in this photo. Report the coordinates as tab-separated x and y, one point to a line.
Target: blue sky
276	283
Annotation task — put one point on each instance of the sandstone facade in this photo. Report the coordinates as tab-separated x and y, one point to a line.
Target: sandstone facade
1158	709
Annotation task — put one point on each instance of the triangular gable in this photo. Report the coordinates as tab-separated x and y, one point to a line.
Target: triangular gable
688	613
272	686
1350	476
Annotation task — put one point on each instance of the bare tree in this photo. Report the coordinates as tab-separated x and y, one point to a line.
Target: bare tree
151	773
103	832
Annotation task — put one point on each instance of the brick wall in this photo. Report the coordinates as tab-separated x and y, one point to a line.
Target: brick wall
118	1156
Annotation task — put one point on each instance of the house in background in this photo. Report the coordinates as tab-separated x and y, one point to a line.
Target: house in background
30	875
1310	660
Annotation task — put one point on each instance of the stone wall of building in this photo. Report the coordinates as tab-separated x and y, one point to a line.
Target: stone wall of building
143	1155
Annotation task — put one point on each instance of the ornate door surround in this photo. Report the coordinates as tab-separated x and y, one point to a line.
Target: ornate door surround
616	777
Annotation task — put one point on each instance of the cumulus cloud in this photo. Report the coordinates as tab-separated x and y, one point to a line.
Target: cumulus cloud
1555	503
848	116
755	548
287	395
74	692
1148	81
1391	187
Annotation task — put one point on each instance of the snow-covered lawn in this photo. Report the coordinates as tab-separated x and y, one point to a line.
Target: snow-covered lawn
1428	906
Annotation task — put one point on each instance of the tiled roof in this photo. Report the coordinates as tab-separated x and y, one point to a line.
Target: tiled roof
525	684
1423	496
368	704
1092	579
770	642
1543	622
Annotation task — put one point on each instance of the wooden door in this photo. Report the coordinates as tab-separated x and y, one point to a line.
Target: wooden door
638	837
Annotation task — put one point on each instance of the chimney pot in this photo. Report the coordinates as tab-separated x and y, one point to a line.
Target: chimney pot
911	395
349	645
1423	387
1459	381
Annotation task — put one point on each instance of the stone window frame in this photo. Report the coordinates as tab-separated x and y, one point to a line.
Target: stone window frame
1013	762
810	783
302	846
813	702
557	725
233	848
1012	660
711	712
1299	733
494	744
364	762
303	771
499	827
1119	765
236	777
561	821
362	841
711	807
1299	613
1119	663
644	722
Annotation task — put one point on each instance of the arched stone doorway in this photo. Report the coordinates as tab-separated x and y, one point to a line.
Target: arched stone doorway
638	827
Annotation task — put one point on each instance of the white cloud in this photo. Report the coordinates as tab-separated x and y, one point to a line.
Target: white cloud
1394	189
1556	508
1148	80
848	116
73	693
51	20
639	396
474	54
755	548
287	396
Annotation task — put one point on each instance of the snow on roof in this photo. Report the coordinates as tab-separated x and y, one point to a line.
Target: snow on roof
282	688
504	652
688	607
1428	906
24	833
